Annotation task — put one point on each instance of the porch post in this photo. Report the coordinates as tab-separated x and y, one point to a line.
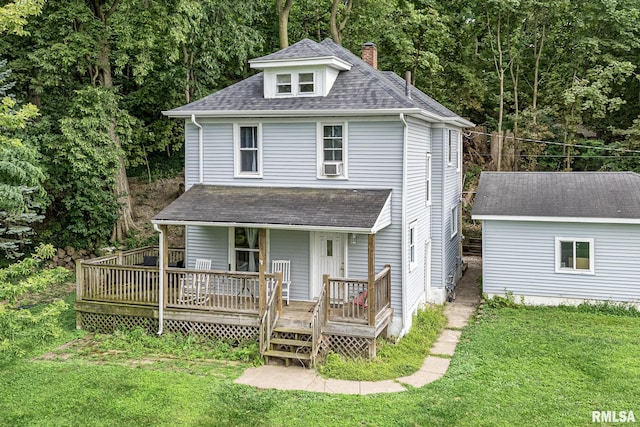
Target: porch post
262	266
164	259
371	291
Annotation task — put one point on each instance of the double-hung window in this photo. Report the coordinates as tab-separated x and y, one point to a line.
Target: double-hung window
574	255
283	84
305	83
449	147
427	184
454	220
413	239
246	249
332	150
248	150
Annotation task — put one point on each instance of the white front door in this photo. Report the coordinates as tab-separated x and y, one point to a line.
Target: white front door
329	249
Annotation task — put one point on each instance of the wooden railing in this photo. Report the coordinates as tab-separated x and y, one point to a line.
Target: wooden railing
116	283
214	290
136	256
318	318
348	300
271	313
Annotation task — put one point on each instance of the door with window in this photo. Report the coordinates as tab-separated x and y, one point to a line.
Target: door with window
330	255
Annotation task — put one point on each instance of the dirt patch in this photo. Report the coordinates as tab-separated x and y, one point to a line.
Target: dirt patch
149	198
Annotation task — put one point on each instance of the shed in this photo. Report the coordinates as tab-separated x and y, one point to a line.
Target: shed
560	237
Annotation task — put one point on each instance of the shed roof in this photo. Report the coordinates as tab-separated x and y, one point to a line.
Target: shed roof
356	210
555	196
360	88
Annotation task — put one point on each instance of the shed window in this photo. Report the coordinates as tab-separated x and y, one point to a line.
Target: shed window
574	255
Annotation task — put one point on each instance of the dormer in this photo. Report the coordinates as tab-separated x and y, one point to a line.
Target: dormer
301	70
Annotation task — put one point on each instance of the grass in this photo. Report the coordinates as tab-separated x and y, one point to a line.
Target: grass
515	366
394	360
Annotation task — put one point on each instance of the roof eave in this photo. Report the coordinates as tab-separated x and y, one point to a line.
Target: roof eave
359	230
596	220
332	61
185	114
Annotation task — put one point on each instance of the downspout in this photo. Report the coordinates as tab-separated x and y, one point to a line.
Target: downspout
200	150
160	281
404	224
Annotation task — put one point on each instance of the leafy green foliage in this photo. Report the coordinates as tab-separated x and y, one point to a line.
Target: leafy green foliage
23	329
393	359
83	163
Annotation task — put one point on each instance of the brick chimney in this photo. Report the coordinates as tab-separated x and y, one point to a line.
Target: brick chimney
370	54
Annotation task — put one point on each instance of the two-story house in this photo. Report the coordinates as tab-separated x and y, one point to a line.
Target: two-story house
340	169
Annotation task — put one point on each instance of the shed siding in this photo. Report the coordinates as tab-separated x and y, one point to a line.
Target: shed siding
519	257
294	246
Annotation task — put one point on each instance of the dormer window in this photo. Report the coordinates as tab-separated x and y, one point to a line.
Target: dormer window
295	84
305	83
283	84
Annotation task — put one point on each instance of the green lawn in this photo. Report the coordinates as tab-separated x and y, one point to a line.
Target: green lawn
517	366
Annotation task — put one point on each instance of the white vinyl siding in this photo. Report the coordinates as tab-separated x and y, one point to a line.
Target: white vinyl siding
520	257
292	245
427	183
207	243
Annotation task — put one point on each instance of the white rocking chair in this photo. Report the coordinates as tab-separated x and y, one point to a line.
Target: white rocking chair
283	266
194	287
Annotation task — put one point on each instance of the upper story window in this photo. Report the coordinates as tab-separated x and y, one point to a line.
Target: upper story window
454	221
294	84
427	184
283	84
413	238
450	147
248	150
306	83
332	150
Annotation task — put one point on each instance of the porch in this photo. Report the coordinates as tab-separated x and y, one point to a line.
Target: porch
119	290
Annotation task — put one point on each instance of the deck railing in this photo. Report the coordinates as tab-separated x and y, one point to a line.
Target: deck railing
348	300
115	283
136	256
318	318
271	313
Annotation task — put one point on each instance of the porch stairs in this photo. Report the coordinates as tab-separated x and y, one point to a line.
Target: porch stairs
291	339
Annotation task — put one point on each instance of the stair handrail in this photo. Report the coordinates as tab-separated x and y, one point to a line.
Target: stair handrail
271	313
317	321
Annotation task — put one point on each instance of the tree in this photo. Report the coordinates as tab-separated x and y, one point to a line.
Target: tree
337	25
284	7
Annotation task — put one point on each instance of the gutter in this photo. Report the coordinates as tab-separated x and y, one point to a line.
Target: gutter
405	137
160	281
200	149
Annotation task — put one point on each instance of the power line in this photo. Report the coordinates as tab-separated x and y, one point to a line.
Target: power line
539	141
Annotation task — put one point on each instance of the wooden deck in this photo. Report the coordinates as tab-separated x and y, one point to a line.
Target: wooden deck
230	304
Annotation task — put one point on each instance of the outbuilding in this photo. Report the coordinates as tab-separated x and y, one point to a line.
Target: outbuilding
560	237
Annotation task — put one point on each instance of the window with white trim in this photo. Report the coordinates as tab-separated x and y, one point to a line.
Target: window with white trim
246	249
427	184
283	84
459	151
248	150
332	149
454	220
413	239
449	147
574	255
306	83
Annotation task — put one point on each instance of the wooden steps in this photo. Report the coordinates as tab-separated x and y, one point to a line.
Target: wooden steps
290	344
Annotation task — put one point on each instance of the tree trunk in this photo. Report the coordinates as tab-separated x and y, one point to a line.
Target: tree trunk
536	75
336	28
283	21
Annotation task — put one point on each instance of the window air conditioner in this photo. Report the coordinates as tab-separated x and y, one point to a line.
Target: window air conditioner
332	168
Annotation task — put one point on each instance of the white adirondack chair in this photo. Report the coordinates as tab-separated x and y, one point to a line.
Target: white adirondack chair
194	288
284	266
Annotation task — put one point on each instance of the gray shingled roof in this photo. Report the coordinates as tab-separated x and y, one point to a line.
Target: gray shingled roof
360	88
614	195
304	207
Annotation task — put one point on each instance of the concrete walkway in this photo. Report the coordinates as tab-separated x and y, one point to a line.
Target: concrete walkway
434	367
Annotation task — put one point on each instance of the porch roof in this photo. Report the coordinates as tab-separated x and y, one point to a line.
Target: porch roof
350	210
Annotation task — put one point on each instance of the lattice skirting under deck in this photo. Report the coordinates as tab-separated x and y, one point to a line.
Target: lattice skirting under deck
348	347
108	323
